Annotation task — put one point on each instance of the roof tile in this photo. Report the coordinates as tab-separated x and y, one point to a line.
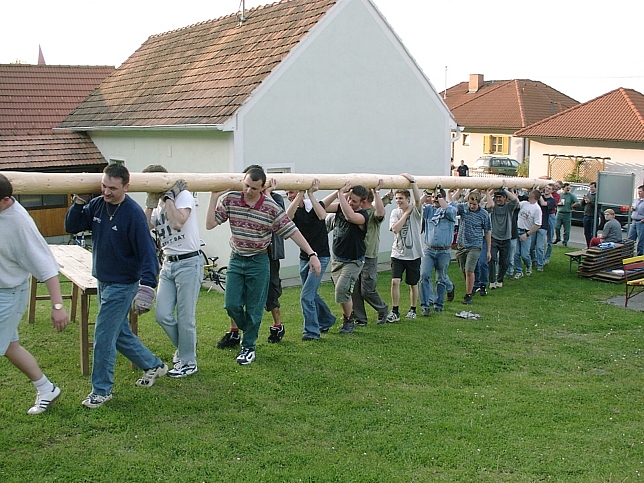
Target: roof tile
615	116
179	77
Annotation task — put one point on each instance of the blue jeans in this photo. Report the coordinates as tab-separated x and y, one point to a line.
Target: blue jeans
438	260
514	246
179	285
317	315
523	253
636	232
112	333
539	243
552	219
482	268
246	291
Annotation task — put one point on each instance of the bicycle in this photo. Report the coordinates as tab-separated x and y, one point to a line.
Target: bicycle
210	271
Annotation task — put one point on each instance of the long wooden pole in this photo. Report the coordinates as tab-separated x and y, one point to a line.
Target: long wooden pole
68	183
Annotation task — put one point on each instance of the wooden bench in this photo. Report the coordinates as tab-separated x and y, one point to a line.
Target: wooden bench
75	263
634	275
575	257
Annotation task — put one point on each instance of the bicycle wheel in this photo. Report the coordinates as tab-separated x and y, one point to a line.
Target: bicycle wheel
221	277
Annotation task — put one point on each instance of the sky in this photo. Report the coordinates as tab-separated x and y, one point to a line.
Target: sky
583	49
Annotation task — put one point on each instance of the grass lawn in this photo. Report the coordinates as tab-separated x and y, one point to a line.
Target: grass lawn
546	386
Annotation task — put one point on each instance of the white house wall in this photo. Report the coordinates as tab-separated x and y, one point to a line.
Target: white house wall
626	158
348	99
475	149
179	151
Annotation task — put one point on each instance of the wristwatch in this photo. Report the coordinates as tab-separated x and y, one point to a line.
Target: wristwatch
313	254
57	306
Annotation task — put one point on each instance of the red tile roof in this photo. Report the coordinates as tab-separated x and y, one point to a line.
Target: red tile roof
200	74
34	99
47	149
615	116
505	104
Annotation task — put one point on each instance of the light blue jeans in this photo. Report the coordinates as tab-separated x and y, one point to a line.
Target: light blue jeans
179	285
434	260
552	219
317	315
13	303
636	232
523	253
539	243
246	291
112	333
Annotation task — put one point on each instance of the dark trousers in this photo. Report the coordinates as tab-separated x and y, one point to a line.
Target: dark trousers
500	257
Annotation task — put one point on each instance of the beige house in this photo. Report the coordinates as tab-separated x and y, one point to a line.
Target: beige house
302	86
490	112
604	134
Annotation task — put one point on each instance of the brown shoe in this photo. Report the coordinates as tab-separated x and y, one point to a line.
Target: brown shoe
450	295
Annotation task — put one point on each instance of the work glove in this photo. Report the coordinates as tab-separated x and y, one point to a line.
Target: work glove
152	201
173	192
143	299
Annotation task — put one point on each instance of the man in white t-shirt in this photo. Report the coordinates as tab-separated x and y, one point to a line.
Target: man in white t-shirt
528	223
172	215
407	249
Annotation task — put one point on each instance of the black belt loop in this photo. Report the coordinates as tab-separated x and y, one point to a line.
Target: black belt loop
176	258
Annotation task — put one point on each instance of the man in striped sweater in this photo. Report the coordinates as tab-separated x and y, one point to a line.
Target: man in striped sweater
253	218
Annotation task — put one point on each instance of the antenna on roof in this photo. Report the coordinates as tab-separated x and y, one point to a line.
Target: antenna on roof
445	91
242	14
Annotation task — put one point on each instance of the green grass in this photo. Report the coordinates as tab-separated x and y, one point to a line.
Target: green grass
546	386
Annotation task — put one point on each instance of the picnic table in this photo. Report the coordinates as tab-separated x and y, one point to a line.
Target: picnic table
75	263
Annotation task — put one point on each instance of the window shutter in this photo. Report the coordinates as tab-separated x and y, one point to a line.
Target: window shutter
506	144
486	144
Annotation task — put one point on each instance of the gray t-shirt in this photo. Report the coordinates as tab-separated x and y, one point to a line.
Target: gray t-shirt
501	218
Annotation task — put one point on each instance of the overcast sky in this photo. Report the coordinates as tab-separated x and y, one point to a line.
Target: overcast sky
583	49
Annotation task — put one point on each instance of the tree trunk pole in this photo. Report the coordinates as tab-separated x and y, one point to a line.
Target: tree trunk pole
69	183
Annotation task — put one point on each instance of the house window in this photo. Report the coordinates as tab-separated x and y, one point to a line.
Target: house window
496	144
466	139
116	161
34	202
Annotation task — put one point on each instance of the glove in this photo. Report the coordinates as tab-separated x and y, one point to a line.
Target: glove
177	188
152	201
143	299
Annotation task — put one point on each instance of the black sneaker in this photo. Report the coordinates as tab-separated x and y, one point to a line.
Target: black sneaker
230	339
450	295
361	323
467	300
482	291
245	357
276	334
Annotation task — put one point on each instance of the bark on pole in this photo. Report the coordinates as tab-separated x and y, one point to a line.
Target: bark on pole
70	183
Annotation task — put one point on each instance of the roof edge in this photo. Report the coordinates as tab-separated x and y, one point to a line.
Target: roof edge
157	127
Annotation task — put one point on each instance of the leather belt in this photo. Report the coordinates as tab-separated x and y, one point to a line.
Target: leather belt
440	248
183	256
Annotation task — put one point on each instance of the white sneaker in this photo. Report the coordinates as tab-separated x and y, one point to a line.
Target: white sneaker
182	370
499	284
411	314
492	285
393	317
43	401
175	357
518	275
151	375
94	401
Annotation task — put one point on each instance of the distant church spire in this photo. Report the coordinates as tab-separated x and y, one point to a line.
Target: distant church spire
41	58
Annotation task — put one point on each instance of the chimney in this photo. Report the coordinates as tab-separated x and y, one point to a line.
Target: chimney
476	82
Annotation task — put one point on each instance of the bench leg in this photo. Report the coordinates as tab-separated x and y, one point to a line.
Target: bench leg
72	309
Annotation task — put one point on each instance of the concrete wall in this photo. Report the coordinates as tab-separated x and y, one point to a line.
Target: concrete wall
179	151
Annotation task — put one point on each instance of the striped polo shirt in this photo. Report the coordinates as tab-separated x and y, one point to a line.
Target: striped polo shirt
252	226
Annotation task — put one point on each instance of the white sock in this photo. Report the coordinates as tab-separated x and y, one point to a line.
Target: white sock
43	385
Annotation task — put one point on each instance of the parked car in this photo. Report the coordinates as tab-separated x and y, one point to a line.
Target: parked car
498	165
579	190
